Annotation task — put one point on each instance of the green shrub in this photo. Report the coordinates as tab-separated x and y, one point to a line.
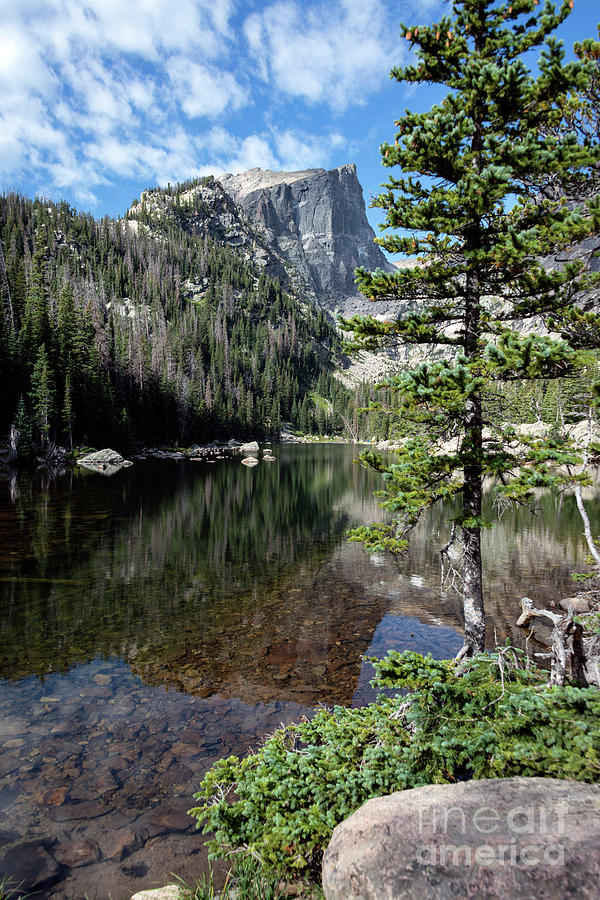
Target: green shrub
491	719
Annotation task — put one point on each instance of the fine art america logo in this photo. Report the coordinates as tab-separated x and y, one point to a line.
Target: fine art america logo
522	836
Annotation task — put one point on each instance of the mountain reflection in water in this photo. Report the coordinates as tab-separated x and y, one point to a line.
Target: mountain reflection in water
155	621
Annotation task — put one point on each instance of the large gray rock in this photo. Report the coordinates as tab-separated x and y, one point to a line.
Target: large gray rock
521	838
107	461
98	457
316	220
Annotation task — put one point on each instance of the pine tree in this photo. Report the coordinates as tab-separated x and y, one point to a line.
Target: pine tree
466	208
126	431
66	327
304	416
35	329
68	415
42	394
275	429
583	109
22	422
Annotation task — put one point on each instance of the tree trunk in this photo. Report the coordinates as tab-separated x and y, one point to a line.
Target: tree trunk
592	546
472	447
13	443
474	617
473	593
472	450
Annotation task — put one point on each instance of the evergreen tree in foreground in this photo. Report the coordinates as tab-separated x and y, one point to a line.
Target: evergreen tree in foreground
470	204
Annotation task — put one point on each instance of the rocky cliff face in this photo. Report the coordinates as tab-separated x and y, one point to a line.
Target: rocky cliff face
316	220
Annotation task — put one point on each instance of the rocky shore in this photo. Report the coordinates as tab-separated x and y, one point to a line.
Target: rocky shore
578	432
108	461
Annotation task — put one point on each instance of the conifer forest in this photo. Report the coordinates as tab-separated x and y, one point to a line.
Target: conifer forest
99	343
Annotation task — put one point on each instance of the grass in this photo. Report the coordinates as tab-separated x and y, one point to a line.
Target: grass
246	880
10	892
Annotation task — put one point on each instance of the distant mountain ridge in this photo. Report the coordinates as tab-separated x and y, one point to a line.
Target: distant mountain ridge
308	229
316	220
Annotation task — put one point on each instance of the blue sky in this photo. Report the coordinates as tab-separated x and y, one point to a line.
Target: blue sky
102	98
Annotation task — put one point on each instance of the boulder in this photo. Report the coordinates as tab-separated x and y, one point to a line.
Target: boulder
540	630
168	892
582	433
167	454
123	842
251	447
105	461
533	429
108	456
580	604
514	837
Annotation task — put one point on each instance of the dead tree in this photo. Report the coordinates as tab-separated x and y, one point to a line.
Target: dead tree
571	651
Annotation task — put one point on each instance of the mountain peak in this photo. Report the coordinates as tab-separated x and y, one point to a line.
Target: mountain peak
316	219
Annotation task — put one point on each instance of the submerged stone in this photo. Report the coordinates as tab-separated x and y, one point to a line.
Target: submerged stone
124	842
29	866
77	853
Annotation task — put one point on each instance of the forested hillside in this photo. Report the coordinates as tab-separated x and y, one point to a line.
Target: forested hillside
128	331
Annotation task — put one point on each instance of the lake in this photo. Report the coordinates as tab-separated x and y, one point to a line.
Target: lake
176	612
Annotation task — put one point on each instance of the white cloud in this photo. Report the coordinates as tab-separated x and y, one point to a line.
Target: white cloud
274	149
329	52
426	7
93	91
146	28
22	69
201	91
254	150
142	94
300	151
176	158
